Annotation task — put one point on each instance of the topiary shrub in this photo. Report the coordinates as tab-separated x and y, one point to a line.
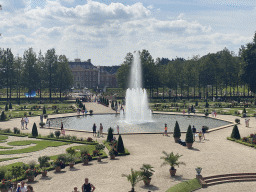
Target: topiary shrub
206	104
6	107
120	145
57	134
44	110
189	135
34	130
110	134
10	106
244	111
235	133
2	116
176	132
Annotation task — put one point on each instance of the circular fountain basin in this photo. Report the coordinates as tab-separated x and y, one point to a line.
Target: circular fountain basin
85	123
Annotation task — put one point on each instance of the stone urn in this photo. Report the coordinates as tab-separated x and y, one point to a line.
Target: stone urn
31	178
99	159
44	173
189	145
198	170
172	172
147	182
58	169
71	164
86	161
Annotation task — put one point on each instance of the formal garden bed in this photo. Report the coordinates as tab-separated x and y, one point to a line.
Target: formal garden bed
186	186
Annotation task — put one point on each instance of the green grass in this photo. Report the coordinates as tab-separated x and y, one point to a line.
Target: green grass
7	159
185	186
3	137
1	147
40	145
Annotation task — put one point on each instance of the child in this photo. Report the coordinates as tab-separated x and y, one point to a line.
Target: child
200	135
18	188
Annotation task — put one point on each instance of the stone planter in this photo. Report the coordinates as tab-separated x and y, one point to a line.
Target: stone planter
86	161
71	164
112	157
198	170
147	182
58	169
31	178
44	173
99	159
176	139
189	145
172	172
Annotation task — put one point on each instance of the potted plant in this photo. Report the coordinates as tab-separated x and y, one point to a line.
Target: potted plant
85	156
172	160
91	111
146	173
5	185
133	178
16	171
43	163
189	138
198	170
42	124
71	151
176	133
57	165
99	147
112	153
30	173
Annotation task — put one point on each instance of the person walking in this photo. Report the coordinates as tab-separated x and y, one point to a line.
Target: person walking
203	131
194	132
23	188
101	129
87	187
26	121
117	128
62	129
200	136
94	130
22	123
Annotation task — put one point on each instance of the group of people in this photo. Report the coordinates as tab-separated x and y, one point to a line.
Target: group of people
24	121
200	133
94	130
21	187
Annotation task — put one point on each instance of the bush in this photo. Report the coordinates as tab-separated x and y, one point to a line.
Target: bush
2	173
245	139
176	132
57	134
6	107
237	121
189	135
10	106
34	130
244	111
16	130
120	145
206	104
235	133
44	110
89	139
110	134
51	135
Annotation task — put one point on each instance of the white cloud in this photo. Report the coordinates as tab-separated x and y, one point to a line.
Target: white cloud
181	16
150	7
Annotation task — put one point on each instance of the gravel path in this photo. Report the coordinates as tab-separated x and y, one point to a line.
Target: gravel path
216	155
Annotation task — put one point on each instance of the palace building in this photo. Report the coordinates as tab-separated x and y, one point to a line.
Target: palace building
87	75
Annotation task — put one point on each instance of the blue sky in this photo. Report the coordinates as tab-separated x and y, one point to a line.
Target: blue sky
105	31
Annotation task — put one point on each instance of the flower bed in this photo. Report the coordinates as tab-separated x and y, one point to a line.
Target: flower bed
107	144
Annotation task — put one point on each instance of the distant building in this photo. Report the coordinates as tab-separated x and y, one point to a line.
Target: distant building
87	75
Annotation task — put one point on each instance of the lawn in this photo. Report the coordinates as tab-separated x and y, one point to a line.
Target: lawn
185	186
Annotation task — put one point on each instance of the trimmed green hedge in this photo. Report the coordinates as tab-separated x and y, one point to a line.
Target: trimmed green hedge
17	135
119	154
241	142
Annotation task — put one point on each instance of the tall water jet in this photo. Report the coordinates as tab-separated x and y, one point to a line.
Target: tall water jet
136	100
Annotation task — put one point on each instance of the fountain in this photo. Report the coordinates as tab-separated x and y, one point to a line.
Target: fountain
136	100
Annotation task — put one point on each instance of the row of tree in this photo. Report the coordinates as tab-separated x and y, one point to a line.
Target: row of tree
34	72
221	70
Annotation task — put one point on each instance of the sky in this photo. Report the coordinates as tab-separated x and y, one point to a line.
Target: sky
105	31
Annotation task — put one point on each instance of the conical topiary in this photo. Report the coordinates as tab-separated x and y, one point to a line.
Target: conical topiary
10	106
44	110
2	116
189	135
176	132
110	134
235	133
34	130
244	111
6	107
120	145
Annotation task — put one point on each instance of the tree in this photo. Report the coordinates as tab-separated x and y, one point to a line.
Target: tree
64	77
235	133
34	130
249	57
124	71
176	132
41	71
120	145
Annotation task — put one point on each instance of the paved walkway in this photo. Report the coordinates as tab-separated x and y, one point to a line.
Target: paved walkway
216	155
